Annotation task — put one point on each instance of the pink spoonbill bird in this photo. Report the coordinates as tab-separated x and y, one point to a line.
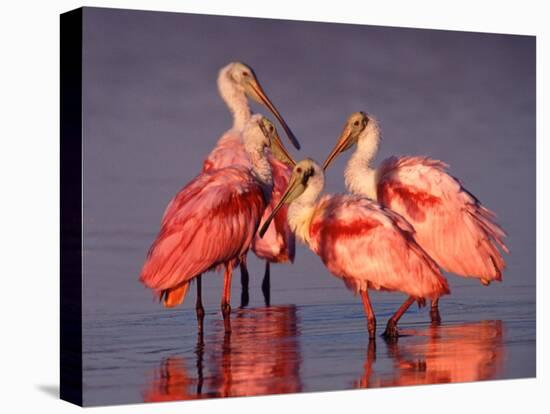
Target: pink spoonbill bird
236	83
364	244
450	224
212	221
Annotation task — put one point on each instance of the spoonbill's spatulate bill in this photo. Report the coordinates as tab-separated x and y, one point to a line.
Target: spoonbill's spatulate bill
450	224
237	83
228	202
364	244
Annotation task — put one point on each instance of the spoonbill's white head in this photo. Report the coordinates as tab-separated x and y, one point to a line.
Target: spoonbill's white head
260	133
359	128
307	181
243	79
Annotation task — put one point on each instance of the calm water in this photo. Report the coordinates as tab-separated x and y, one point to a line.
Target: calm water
151	113
159	356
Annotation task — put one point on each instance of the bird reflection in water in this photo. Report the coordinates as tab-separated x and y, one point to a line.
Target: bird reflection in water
439	354
259	356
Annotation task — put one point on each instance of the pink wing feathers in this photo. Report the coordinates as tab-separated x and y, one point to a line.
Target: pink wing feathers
278	244
228	152
211	221
371	247
450	224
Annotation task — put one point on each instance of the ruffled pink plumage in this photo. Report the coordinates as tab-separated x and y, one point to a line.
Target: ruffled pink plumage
278	243
450	224
371	247
210	222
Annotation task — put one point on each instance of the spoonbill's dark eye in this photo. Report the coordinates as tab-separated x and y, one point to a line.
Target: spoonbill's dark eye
356	123
245	73
298	170
271	128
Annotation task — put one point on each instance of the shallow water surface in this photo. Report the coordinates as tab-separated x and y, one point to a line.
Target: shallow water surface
288	348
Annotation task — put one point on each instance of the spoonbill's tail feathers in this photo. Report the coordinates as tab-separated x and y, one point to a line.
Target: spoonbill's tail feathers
174	296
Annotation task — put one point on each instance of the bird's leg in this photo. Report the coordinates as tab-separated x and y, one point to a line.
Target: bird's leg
266	284
226	297
391	328
245	299
369	311
198	307
434	312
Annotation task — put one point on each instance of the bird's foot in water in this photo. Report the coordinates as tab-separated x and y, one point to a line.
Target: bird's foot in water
435	316
200	312
371	326
391	333
200	317
226	309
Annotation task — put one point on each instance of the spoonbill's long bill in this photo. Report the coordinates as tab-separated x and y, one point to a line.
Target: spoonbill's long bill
364	244
450	224
237	82
212	221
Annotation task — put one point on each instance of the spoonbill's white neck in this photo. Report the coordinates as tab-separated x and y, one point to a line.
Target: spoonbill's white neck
255	143
300	212
360	176
261	167
234	97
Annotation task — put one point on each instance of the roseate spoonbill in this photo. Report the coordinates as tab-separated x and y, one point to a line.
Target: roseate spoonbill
236	83
361	242
450	224
212	221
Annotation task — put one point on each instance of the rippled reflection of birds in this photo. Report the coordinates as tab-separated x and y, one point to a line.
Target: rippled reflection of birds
260	356
437	355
